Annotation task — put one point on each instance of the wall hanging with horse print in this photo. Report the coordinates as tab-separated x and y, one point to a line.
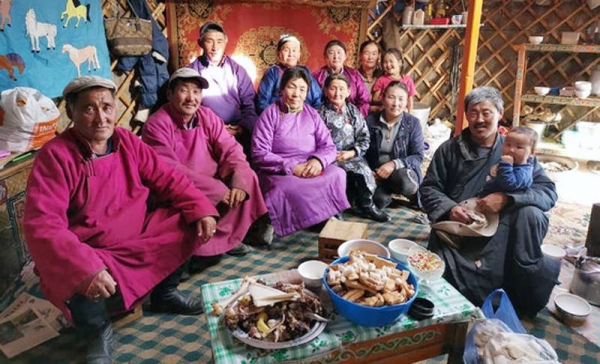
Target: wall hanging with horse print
45	44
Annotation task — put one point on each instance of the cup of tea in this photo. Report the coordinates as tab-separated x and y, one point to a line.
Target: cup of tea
456	19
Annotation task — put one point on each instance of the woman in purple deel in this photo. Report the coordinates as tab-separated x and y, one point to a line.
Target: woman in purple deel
293	153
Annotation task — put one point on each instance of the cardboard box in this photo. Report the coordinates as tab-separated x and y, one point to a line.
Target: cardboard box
335	233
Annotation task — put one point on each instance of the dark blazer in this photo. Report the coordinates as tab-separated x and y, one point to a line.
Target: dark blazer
408	146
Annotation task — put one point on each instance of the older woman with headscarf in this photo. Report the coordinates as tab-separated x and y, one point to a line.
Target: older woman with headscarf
335	56
269	91
293	154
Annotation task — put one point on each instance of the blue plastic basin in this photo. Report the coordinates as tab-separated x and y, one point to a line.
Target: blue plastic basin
365	315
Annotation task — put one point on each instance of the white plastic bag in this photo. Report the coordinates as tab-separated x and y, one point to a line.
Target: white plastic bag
28	119
438	133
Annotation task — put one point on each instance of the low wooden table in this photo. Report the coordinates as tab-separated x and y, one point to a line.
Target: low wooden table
406	340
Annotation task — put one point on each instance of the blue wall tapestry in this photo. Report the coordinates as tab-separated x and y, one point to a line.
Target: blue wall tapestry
46	44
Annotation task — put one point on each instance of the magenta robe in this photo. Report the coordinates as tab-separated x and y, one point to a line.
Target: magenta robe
214	161
281	141
85	214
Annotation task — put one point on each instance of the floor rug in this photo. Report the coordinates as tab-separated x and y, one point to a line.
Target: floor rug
184	339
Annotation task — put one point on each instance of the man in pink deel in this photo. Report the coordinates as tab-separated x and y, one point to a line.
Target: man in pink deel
96	246
196	141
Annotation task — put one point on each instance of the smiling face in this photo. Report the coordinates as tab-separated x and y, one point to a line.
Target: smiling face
519	146
94	115
335	56
483	121
213	44
369	57
394	100
337	92
294	92
289	54
185	98
391	65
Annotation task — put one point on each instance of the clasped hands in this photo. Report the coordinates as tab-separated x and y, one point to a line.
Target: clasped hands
492	203
309	169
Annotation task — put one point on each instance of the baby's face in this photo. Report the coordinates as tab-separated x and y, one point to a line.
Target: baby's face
517	146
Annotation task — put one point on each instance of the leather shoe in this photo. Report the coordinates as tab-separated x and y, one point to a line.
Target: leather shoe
175	302
373	213
100	347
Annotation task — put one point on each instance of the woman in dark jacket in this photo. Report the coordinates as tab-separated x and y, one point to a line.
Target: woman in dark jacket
396	149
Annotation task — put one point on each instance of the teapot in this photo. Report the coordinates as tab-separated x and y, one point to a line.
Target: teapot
586	279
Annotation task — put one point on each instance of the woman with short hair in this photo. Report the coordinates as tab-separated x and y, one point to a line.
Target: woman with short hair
335	56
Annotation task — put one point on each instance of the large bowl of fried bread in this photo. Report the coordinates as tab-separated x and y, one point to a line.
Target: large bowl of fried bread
370	290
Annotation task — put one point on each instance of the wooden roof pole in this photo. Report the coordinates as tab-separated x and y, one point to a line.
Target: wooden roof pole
469	58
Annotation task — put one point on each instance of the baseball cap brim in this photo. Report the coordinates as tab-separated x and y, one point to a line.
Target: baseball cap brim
82	83
191	74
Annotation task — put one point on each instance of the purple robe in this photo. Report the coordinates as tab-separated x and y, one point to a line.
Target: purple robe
85	214
215	162
280	142
230	93
359	94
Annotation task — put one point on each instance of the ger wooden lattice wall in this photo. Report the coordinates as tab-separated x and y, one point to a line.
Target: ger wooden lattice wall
433	57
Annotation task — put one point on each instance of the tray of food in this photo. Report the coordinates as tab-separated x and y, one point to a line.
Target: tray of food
278	316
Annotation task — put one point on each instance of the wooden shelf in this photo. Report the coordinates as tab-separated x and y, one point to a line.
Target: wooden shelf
431	26
562	100
565	48
520	97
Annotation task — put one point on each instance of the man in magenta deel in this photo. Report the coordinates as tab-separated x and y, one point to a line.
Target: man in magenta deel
96	247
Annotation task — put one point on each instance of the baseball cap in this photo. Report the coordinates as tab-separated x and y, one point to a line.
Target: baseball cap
190	73
82	83
210	26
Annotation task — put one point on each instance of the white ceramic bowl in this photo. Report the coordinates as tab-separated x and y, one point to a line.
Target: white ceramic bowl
367	246
571	308
312	272
536	39
540	90
583	85
399	249
583	94
553	251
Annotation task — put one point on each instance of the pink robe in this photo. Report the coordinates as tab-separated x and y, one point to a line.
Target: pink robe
215	162
85	214
281	141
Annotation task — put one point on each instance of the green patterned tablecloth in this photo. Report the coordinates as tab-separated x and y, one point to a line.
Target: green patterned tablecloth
450	306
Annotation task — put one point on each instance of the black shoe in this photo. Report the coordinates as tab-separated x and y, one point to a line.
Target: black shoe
175	302
373	213
197	263
99	349
260	235
240	250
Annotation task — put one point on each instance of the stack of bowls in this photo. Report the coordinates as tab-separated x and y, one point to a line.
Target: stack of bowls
583	89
